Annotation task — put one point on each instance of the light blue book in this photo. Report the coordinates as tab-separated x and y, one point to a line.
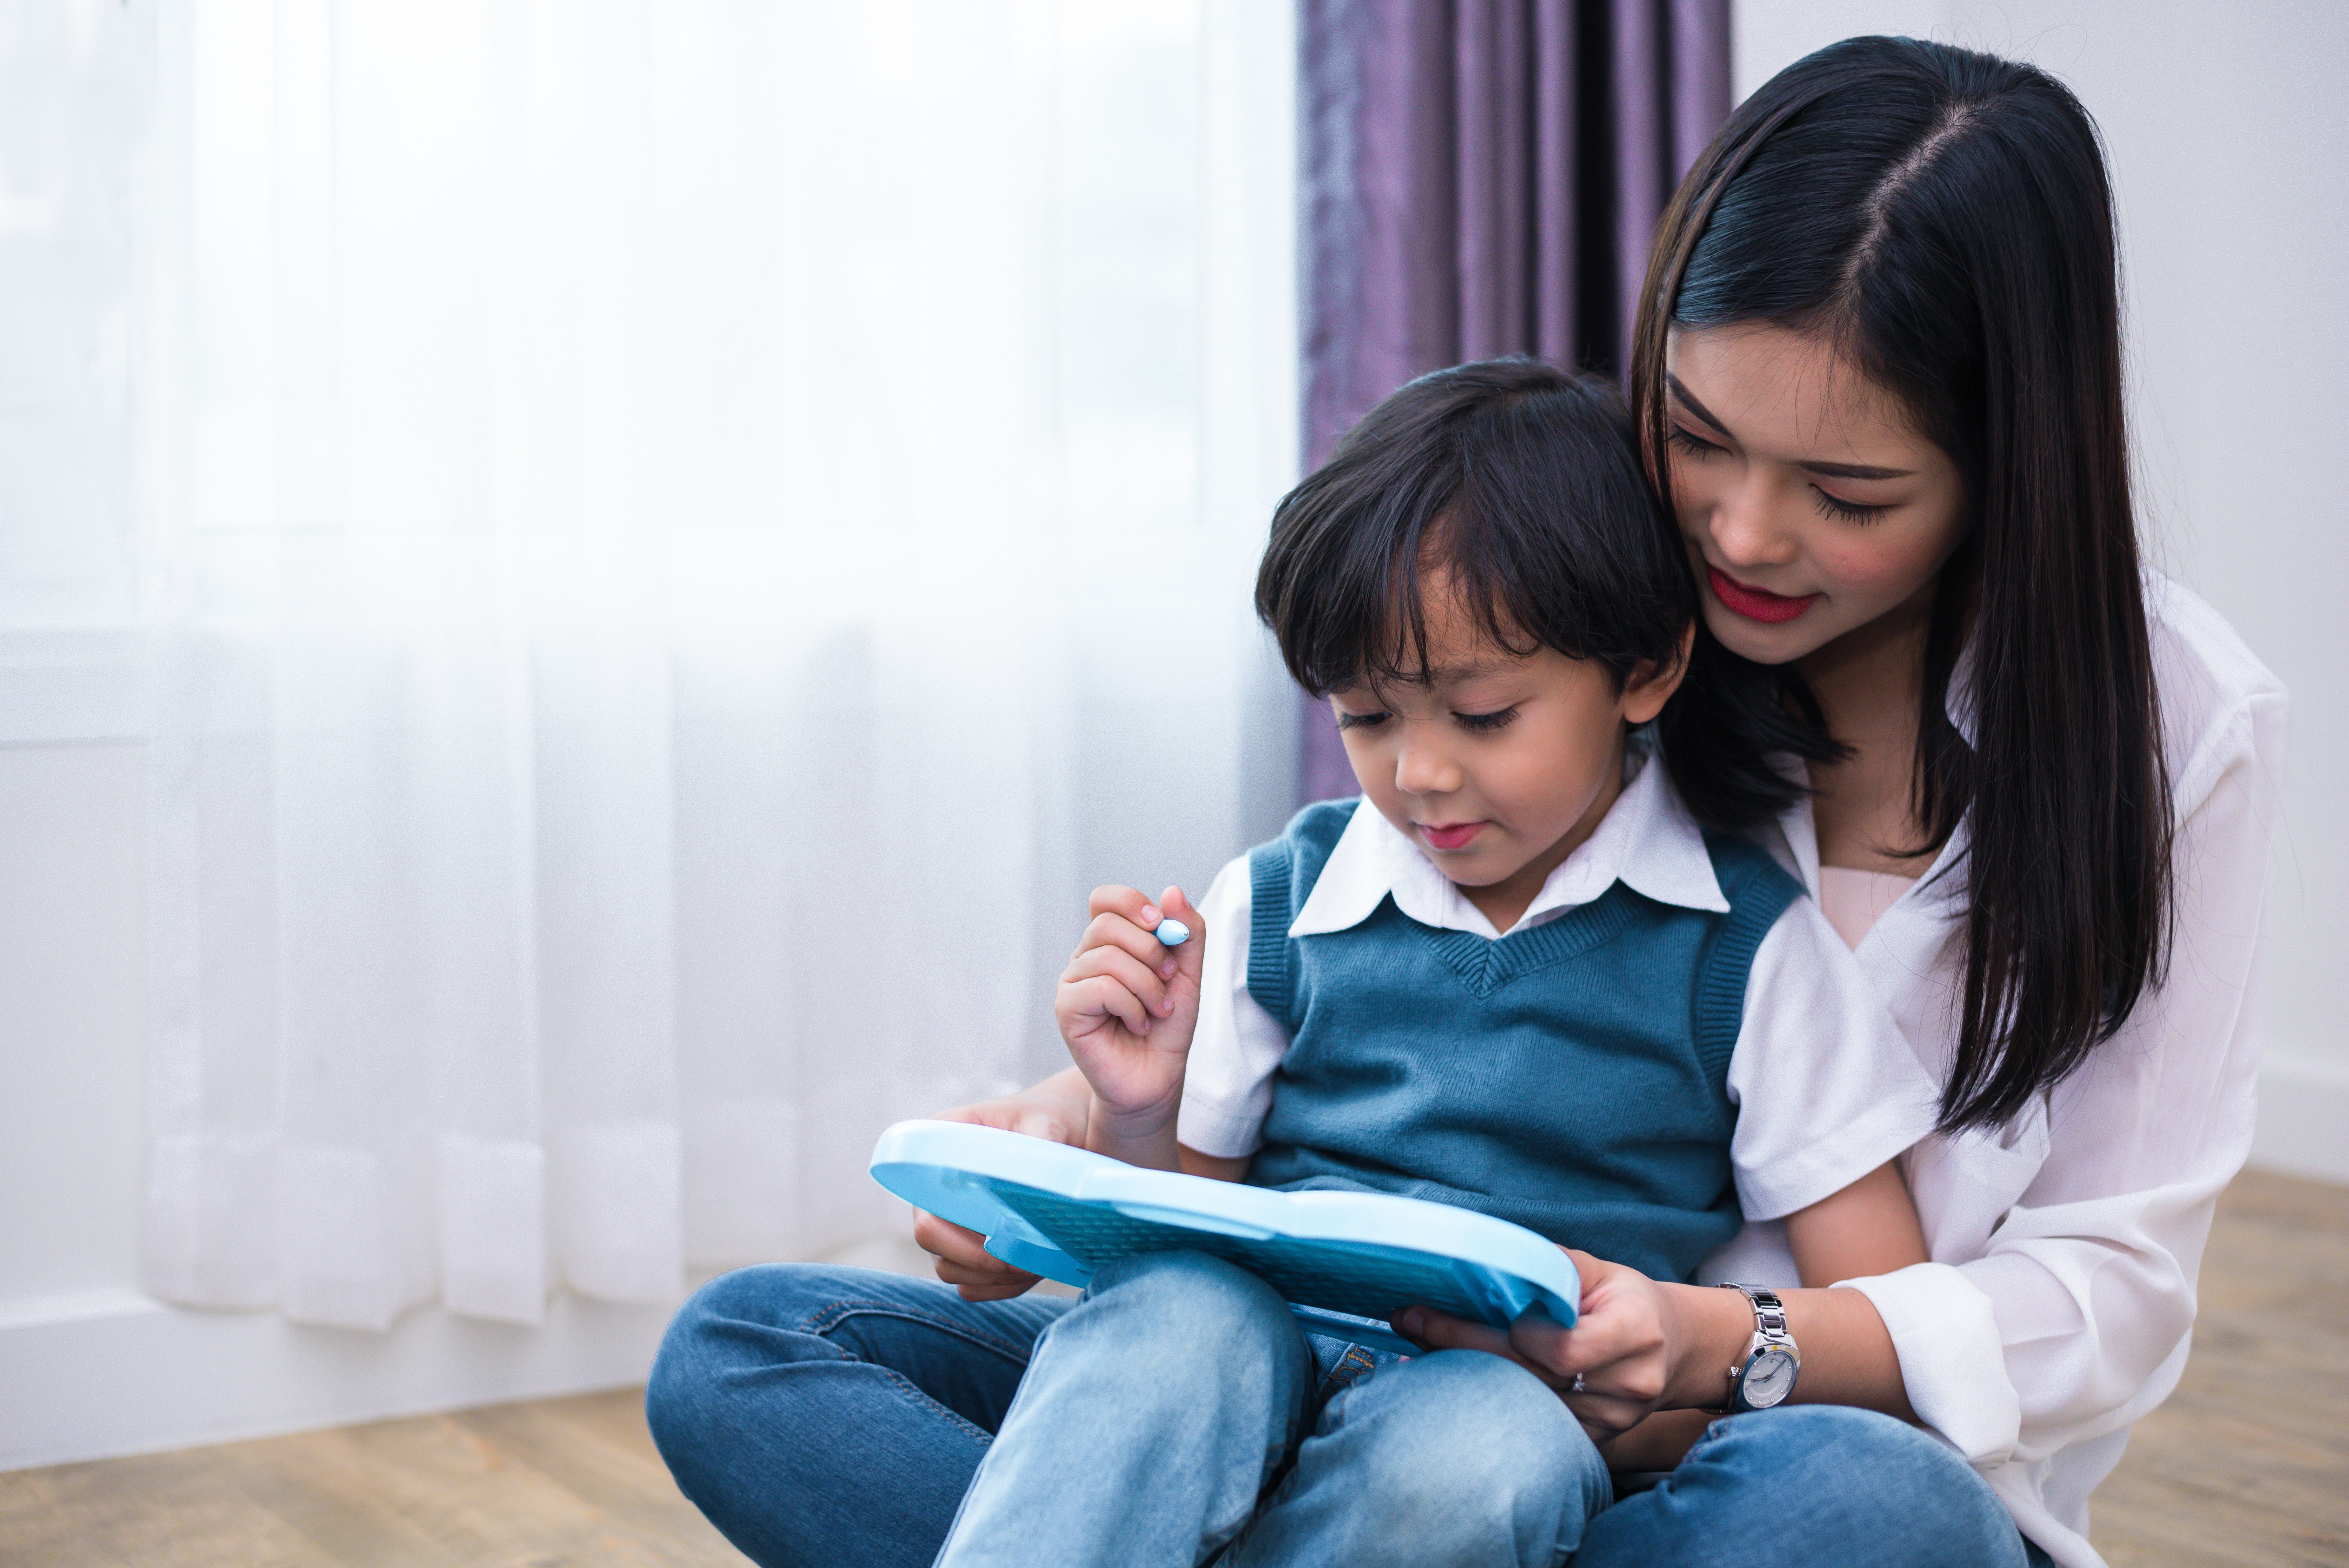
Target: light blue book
1346	1262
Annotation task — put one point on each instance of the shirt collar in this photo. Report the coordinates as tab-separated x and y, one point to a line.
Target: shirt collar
1647	840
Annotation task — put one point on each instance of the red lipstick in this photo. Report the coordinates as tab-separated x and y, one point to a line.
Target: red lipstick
1755	603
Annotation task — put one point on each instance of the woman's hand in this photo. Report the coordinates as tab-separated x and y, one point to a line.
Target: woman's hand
1054	1111
1639	1346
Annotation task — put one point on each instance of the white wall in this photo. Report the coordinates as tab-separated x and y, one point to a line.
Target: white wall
2231	156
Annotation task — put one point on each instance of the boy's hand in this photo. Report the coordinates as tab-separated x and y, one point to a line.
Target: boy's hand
1126	1005
1054	1110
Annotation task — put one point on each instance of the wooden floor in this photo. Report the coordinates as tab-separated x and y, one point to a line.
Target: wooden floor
2247	1466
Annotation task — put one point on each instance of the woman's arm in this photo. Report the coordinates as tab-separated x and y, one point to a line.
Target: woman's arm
1643	1346
1870	1227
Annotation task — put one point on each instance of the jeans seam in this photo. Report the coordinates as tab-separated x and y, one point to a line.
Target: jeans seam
905	1385
822	1323
1715	1432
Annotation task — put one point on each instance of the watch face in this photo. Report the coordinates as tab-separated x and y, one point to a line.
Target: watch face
1769	1378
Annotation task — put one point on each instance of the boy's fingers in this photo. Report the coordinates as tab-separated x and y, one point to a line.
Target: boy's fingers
1191	957
1044	1124
1112	898
1116	963
948	1242
1014	1115
1099	996
962	1261
993	1291
1116	931
962	1274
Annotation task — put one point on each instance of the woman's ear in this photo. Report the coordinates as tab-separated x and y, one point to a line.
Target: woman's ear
1649	685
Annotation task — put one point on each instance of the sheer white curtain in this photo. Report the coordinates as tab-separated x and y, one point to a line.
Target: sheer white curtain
689	533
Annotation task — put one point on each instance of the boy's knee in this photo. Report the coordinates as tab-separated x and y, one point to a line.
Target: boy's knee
736	1323
1188	1297
1463	1430
690	1369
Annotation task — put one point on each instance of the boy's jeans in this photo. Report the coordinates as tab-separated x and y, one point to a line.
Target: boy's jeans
834	1416
1173	1415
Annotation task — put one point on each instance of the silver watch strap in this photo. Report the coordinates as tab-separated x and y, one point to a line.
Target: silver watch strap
1769	1329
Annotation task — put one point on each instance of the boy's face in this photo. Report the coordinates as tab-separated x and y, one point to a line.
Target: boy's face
1500	766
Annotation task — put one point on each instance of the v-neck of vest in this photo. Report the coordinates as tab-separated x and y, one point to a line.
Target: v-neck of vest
1485	964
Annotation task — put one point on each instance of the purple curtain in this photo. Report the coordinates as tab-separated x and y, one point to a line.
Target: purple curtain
1483	177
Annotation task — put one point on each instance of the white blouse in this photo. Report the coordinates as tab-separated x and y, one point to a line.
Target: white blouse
2059	1302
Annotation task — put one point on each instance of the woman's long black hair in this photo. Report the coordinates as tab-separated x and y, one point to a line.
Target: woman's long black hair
1943	217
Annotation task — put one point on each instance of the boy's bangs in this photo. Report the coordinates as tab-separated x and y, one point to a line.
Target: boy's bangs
1509	486
1450	557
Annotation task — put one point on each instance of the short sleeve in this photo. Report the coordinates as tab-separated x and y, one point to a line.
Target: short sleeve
1826	1086
1228	1084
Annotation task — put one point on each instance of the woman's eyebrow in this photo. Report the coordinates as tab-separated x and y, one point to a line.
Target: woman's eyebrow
1830	470
1687	401
1853	471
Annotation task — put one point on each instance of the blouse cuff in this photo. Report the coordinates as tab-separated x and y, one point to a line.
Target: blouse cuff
1952	1361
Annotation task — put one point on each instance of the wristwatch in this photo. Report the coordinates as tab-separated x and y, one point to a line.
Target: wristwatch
1766	1376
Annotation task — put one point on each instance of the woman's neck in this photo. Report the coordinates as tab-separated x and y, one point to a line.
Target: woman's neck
1867	684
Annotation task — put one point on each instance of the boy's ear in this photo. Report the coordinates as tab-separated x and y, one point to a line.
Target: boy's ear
1648	688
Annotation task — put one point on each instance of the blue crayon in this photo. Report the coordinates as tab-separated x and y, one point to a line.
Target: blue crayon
1173	932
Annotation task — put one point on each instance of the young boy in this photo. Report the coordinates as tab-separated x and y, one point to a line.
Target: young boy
1515	975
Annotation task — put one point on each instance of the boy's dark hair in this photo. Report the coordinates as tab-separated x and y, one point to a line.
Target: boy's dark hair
1526	484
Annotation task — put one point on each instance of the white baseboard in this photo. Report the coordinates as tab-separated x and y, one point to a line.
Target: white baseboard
2304	1129
116	1372
120	1373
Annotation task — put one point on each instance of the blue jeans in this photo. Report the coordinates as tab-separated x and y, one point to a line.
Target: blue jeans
838	1416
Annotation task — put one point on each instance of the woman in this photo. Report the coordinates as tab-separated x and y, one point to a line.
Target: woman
1878	368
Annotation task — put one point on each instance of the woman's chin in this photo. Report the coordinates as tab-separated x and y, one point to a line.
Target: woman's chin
1761	642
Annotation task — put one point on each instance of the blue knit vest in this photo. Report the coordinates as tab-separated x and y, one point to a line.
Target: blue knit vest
1571	1076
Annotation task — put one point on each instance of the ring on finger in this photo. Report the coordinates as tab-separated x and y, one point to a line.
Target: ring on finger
1576	1386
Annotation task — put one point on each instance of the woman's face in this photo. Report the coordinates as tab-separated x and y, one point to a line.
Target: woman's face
1811	505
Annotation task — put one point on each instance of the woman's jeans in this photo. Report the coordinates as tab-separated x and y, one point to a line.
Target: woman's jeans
1177	1416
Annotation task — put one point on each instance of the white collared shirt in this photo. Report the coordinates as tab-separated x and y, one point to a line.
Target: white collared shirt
1821	1099
2060	1301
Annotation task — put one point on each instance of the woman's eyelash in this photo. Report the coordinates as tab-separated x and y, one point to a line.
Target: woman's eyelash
1696	446
1834	507
1485	722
